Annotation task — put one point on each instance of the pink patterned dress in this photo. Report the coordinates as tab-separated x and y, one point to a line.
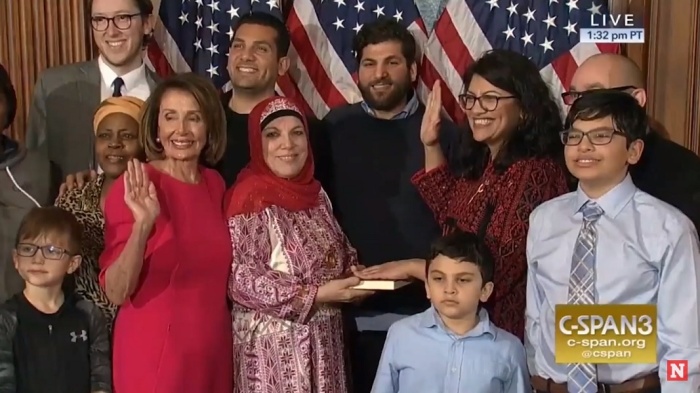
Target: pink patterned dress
282	342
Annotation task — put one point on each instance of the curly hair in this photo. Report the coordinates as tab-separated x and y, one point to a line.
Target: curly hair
385	30
537	135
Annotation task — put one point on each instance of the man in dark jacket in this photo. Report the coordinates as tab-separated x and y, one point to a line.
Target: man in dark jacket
24	183
667	170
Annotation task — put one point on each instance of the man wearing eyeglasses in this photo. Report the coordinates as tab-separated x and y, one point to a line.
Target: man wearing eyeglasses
666	170
66	97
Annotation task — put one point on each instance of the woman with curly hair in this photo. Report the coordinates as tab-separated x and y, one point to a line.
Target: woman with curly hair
511	163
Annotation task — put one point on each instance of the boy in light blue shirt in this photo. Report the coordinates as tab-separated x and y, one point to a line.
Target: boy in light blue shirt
453	347
610	243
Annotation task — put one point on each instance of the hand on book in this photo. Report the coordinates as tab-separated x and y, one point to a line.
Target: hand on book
340	291
405	269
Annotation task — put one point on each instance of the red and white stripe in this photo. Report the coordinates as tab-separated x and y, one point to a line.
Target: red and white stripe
164	57
454	49
321	78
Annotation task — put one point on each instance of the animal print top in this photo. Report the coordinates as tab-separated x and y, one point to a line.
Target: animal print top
84	203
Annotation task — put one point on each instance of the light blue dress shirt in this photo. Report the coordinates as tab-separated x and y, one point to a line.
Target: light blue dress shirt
410	108
421	356
647	253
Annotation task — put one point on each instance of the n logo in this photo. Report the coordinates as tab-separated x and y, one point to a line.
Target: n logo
677	370
74	336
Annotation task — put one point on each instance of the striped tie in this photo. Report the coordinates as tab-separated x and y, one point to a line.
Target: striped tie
582	377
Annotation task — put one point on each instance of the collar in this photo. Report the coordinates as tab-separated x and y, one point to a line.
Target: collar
410	108
28	310
612	201
131	78
430	320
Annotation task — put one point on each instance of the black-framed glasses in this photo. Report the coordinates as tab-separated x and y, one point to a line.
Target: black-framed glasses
597	137
121	22
487	102
48	251
570	96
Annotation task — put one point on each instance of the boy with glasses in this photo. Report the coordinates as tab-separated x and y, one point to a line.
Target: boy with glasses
51	341
666	170
610	243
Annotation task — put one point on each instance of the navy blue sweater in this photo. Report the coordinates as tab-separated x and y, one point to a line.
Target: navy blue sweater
369	182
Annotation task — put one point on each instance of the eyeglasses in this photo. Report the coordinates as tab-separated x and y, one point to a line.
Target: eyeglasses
49	252
570	96
488	102
121	22
598	137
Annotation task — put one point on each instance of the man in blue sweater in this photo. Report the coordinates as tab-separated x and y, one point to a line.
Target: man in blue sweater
375	149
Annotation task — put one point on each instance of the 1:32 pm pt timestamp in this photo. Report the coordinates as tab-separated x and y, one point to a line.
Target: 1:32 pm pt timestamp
612	36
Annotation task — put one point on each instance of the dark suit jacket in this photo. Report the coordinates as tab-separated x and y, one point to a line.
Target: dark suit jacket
60	118
670	172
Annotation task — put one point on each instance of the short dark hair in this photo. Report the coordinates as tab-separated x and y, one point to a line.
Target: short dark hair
464	247
628	117
282	41
537	135
7	90
145	8
383	30
210	107
51	220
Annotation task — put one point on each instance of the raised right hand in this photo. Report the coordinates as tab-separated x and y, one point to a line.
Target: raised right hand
340	291
140	193
76	180
430	127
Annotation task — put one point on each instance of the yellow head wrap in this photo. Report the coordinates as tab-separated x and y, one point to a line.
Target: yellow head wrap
129	106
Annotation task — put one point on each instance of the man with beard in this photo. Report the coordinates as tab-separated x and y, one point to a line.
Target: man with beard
666	170
66	97
375	149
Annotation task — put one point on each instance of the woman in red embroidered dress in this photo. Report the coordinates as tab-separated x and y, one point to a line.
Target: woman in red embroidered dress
510	165
291	264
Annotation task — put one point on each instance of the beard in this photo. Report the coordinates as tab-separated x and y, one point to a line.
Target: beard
391	99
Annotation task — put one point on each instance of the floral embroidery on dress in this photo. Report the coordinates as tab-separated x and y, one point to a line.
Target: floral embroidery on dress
282	341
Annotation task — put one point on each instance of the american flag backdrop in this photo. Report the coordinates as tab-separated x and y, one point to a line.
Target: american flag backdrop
194	35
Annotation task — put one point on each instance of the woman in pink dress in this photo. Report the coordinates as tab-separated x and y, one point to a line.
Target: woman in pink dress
291	264
167	251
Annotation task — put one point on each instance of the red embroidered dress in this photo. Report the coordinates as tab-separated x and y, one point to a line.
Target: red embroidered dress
281	341
513	195
286	244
